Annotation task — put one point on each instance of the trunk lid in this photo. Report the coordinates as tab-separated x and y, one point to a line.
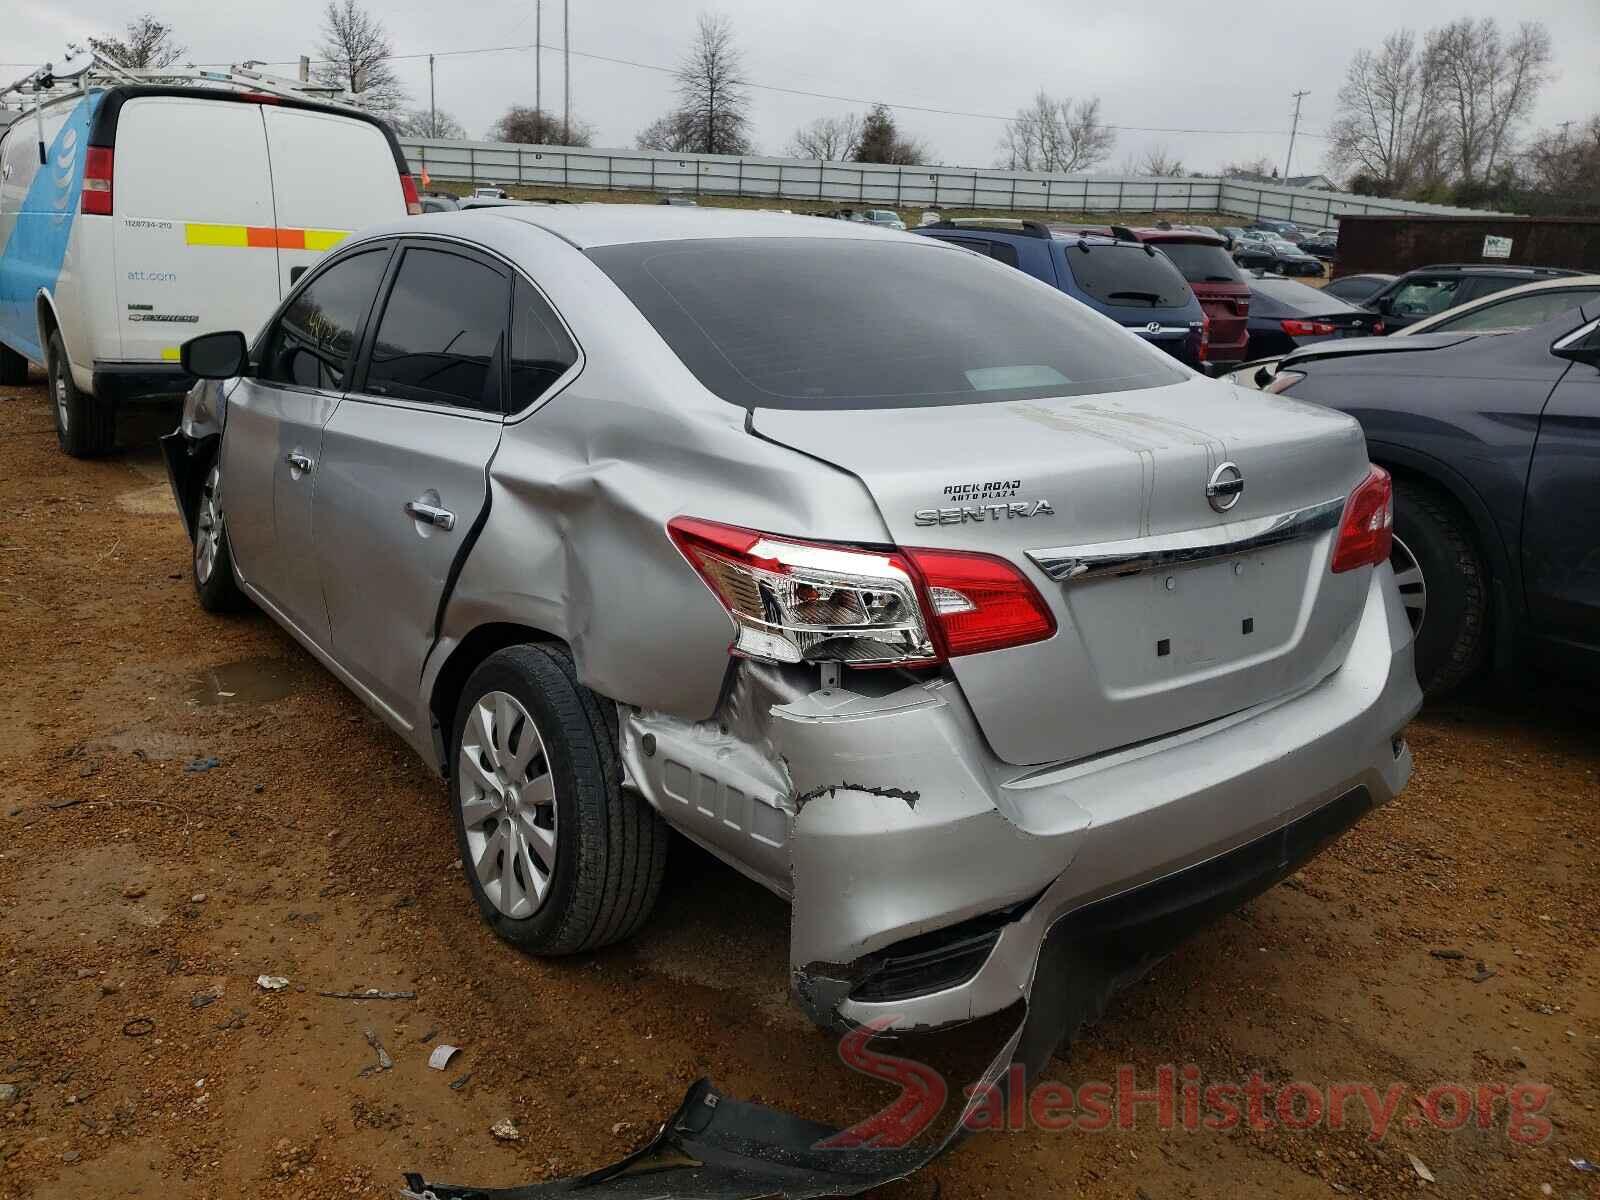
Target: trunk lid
1139	652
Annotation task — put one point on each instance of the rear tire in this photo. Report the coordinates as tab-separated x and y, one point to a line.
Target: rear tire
13	368
214	581
85	426
534	767
1453	635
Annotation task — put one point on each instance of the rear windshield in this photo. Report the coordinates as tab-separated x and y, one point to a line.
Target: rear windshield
1201	262
843	323
1126	274
1287	295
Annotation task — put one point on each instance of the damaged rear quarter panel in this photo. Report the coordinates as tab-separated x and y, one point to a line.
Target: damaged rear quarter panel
575	544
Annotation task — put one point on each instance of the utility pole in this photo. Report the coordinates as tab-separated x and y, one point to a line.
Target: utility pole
433	109
1293	129
566	71
538	56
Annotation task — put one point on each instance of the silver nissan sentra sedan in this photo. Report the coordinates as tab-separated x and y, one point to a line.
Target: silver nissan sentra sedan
934	602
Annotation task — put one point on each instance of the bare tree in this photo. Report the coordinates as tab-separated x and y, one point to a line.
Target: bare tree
355	55
1487	85
1257	168
1387	120
1565	166
422	122
1056	135
1158	160
832	139
146	43
675	132
713	97
882	142
535	127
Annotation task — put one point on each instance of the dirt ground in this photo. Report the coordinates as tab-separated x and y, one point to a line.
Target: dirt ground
188	802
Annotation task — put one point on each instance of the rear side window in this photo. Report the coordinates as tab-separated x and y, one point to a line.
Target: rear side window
1126	274
1519	312
847	323
440	338
1201	262
541	351
999	251
311	344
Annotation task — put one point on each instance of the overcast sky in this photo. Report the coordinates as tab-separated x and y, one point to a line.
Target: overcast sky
1158	63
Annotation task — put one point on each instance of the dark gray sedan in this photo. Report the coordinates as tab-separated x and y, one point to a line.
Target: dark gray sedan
1493	440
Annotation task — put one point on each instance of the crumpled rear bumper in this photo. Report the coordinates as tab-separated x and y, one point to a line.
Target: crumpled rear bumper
927	875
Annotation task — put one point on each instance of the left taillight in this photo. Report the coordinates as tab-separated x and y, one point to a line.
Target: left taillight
1367	531
96	195
798	601
408	189
1307	328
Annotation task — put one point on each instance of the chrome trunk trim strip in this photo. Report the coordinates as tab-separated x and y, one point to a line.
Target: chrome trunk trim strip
1073	564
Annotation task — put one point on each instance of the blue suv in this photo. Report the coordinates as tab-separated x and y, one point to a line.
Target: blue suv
1132	283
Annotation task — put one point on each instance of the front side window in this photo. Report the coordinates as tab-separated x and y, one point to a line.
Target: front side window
808	323
541	351
441	334
1424	297
313	341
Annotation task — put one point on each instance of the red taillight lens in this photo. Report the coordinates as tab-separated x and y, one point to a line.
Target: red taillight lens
408	189
96	196
1205	340
1367	531
1307	328
797	601
980	602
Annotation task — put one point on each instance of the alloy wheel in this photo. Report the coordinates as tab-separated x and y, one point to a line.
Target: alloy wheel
208	528
1413	587
508	807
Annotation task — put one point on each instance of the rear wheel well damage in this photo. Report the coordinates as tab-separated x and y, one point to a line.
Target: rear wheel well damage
458	667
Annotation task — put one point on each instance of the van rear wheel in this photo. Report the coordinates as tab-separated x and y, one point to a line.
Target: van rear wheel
85	427
13	368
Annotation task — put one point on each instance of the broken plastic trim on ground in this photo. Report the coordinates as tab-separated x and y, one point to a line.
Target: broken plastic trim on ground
717	1147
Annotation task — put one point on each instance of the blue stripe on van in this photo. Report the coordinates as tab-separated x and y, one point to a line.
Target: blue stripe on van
37	246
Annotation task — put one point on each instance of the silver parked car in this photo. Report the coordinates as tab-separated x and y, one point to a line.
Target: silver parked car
928	598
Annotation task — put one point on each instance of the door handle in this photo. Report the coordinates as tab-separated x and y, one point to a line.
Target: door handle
298	460
432	514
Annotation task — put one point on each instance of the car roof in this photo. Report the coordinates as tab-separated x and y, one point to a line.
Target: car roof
595	224
1529	272
1560	283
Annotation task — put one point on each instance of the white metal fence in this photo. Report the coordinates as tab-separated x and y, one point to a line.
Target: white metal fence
869	184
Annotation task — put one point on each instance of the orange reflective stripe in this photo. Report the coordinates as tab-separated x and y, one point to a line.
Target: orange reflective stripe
264	237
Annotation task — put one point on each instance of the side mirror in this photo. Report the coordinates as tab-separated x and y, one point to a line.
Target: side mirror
219	355
1383	304
1581	345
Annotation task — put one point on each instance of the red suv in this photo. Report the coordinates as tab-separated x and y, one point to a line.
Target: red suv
1223	294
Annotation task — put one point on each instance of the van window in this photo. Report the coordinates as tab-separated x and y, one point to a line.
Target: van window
441	334
541	351
1202	262
311	344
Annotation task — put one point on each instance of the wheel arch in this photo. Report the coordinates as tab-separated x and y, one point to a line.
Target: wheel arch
459	663
48	321
1404	463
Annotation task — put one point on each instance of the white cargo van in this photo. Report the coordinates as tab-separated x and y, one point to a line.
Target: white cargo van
161	212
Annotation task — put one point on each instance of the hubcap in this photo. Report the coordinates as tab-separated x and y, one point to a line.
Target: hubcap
207	528
1413	587
61	394
508	804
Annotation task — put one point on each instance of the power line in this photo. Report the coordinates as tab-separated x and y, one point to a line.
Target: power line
787	91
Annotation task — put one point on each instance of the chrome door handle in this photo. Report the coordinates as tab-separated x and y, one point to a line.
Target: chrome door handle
297	460
439	518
